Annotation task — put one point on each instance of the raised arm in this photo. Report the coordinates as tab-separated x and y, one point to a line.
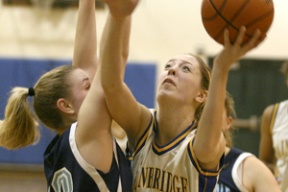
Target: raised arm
209	133
93	133
124	108
85	46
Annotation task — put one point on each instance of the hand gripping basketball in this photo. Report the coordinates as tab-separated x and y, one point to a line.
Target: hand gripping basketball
217	15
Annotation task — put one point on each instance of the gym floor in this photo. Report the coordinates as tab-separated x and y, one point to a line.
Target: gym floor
26	180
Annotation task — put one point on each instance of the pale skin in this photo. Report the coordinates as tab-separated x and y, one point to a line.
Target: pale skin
93	131
266	152
87	103
256	176
176	102
84	61
94	121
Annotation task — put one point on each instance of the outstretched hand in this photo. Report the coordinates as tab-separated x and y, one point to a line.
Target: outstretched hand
233	52
121	8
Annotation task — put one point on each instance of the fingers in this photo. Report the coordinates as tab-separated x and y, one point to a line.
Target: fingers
226	38
254	41
240	37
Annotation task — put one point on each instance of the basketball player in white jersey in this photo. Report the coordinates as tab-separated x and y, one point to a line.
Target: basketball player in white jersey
274	138
242	171
166	152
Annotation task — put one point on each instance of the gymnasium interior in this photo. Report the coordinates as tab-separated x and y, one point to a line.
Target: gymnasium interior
38	35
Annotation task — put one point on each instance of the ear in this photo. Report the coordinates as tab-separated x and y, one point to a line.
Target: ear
229	123
202	95
65	106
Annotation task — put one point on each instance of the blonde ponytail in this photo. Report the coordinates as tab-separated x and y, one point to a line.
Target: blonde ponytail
19	127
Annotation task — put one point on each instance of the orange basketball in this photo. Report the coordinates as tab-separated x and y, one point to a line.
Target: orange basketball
232	14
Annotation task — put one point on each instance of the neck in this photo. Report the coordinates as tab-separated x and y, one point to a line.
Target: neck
171	122
227	150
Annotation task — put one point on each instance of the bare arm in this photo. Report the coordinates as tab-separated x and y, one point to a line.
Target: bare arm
85	56
266	151
93	133
209	143
257	177
124	108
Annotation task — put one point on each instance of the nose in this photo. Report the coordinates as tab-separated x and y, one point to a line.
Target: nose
171	71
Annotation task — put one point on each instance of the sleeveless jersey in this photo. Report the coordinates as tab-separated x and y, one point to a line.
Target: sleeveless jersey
230	179
279	128
67	171
172	167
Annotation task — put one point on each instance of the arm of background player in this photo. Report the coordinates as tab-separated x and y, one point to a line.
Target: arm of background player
266	151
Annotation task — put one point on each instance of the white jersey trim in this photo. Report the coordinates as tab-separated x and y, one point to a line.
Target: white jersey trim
237	171
90	170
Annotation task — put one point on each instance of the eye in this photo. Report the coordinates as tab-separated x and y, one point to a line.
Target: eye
167	66
186	68
88	87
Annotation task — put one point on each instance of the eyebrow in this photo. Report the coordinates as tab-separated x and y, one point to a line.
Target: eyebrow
183	61
186	62
171	60
85	79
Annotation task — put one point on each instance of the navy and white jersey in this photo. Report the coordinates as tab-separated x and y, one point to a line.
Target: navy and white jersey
279	132
230	179
67	171
173	167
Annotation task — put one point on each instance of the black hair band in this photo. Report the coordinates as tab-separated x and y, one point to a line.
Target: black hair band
31	91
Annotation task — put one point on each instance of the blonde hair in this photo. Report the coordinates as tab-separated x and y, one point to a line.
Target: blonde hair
230	112
19	127
205	81
48	89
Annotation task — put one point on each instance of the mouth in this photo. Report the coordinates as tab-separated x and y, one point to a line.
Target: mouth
168	81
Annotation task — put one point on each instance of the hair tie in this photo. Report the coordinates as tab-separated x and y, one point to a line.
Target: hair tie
31	91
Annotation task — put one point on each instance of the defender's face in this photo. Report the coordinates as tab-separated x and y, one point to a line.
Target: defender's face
80	84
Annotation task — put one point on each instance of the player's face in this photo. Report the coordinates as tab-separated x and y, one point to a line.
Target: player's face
80	84
181	79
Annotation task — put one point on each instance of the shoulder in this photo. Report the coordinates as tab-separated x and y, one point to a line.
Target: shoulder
254	168
267	117
269	110
255	172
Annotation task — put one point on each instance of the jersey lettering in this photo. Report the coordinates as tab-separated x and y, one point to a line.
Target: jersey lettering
62	181
154	178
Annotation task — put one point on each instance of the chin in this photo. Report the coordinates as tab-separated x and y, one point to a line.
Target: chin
165	95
